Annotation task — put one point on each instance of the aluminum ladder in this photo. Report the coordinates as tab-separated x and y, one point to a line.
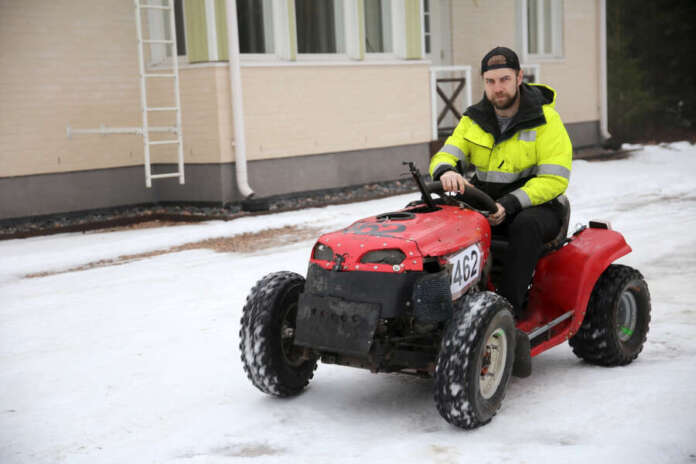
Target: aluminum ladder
168	10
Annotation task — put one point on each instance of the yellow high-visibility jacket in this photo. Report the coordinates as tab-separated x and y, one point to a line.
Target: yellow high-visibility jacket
526	165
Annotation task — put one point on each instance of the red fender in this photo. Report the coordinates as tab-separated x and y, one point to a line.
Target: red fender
564	280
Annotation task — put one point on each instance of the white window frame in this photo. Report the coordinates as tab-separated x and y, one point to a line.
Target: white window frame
271	18
348	40
557	31
429	34
395	7
282	54
533	69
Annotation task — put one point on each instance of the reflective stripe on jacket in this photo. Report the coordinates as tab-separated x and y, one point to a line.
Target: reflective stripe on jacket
530	161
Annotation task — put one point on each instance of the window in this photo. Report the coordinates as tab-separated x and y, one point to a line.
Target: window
348	29
378	27
180	28
320	26
545	28
159	27
426	25
255	24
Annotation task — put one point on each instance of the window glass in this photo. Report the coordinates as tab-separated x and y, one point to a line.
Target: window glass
532	28
255	24
548	18
320	26
378	26
544	27
180	28
426	22
159	28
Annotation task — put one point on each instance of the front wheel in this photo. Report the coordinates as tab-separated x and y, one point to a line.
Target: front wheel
271	360
617	319
475	360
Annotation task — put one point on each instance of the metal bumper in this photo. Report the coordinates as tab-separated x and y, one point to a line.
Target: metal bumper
339	312
336	325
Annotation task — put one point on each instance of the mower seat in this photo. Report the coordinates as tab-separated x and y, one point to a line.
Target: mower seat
499	243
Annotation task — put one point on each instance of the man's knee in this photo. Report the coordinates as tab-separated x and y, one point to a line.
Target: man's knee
525	227
536	224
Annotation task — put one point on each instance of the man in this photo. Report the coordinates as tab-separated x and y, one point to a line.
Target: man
521	154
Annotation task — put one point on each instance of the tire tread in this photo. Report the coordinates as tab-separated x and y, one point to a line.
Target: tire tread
258	356
596	342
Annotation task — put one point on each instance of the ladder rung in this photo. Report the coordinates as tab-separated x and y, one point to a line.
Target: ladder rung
157	41
162	176
159	75
164	142
163	108
161	129
155	7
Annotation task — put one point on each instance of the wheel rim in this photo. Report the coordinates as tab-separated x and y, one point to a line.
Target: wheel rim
493	359
627	316
291	354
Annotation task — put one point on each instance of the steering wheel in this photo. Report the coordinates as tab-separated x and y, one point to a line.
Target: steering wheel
471	194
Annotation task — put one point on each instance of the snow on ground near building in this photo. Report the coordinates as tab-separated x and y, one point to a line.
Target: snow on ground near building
139	362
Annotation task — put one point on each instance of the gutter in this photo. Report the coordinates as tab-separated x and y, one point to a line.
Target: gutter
240	160
603	118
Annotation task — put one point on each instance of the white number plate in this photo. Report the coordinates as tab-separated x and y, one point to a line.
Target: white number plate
466	269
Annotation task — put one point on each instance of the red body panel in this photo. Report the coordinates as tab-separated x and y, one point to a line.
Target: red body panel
437	233
564	280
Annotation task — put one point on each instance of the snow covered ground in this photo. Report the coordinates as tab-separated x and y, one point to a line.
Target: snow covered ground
139	362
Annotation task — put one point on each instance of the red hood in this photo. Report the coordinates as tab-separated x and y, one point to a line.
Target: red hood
437	233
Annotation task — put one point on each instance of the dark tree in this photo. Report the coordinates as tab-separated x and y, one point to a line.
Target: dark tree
651	54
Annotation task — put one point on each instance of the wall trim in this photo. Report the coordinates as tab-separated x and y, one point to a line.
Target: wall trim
65	192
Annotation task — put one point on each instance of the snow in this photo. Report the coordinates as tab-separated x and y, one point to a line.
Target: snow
139	362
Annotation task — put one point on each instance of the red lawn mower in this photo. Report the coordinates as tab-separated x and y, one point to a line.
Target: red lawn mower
413	291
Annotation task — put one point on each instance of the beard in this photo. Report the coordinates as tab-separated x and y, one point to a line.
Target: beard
505	103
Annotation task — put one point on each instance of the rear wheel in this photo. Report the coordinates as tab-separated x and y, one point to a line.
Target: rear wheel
273	363
617	319
475	360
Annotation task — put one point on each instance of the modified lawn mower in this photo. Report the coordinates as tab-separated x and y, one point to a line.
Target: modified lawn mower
413	291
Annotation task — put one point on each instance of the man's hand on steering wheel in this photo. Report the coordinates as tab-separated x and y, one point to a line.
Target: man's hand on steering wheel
497	217
453	182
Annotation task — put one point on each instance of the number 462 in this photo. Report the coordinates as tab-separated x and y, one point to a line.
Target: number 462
466	268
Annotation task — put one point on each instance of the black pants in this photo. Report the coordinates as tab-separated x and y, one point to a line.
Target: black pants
527	233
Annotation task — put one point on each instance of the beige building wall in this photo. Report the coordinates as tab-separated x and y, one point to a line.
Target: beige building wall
62	63
575	76
74	63
303	110
477	27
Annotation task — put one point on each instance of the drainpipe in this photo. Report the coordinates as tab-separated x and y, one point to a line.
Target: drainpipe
603	118
240	160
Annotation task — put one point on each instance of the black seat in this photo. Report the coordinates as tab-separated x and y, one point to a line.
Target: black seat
499	243
557	242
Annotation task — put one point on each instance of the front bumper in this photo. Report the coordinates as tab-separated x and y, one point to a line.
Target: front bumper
339	312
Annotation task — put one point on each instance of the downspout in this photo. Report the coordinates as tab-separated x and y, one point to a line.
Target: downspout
603	118
240	160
